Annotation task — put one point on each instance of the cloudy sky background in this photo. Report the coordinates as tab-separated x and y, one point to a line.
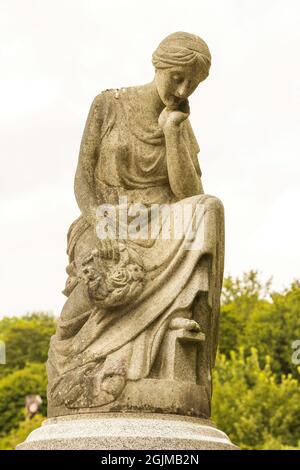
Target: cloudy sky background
56	55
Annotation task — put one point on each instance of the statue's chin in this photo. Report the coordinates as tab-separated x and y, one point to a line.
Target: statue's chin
170	101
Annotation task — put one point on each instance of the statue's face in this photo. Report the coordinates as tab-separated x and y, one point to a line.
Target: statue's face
174	85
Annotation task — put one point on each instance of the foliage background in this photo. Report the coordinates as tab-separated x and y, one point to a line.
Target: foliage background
256	385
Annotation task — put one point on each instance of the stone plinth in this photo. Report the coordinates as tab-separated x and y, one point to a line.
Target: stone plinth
127	432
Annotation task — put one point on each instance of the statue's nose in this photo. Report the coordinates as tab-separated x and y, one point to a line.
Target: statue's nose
179	94
182	91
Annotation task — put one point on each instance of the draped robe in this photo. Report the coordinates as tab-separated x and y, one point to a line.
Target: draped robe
125	339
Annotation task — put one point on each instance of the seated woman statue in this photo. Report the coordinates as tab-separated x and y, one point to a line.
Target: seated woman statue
139	328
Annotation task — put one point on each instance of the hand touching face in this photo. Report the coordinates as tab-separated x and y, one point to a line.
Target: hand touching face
169	117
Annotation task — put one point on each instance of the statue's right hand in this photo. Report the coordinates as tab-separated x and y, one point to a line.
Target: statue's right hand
170	118
109	249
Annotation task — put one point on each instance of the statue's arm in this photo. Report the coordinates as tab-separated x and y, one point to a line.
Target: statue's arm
184	176
84	186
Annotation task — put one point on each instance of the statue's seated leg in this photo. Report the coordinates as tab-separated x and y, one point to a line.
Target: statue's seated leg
75	312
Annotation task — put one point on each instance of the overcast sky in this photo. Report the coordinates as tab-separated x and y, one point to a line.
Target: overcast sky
56	55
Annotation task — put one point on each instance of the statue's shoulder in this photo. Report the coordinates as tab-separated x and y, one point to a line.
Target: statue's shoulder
108	94
104	100
102	106
112	92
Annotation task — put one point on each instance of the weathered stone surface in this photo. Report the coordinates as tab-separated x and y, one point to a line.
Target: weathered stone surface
139	329
127	432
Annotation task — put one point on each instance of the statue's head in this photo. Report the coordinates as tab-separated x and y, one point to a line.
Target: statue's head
181	61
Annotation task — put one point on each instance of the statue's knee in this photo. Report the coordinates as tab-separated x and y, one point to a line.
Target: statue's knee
77	303
213	203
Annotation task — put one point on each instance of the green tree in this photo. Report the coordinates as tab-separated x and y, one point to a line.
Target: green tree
273	329
13	390
248	286
240	298
26	339
252	407
253	316
18	435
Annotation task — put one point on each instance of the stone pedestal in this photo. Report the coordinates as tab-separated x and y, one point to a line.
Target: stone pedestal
117	431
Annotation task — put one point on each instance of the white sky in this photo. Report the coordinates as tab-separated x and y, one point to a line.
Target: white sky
56	55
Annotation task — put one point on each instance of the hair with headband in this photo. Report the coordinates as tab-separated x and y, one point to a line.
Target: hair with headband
182	49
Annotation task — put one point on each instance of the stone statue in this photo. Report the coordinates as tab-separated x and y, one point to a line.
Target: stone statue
138	332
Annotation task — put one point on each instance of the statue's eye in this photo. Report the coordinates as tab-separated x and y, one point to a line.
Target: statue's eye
177	78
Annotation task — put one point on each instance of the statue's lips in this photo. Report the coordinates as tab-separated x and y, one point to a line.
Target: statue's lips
176	99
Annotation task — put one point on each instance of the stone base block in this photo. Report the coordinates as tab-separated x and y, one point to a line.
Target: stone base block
117	431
